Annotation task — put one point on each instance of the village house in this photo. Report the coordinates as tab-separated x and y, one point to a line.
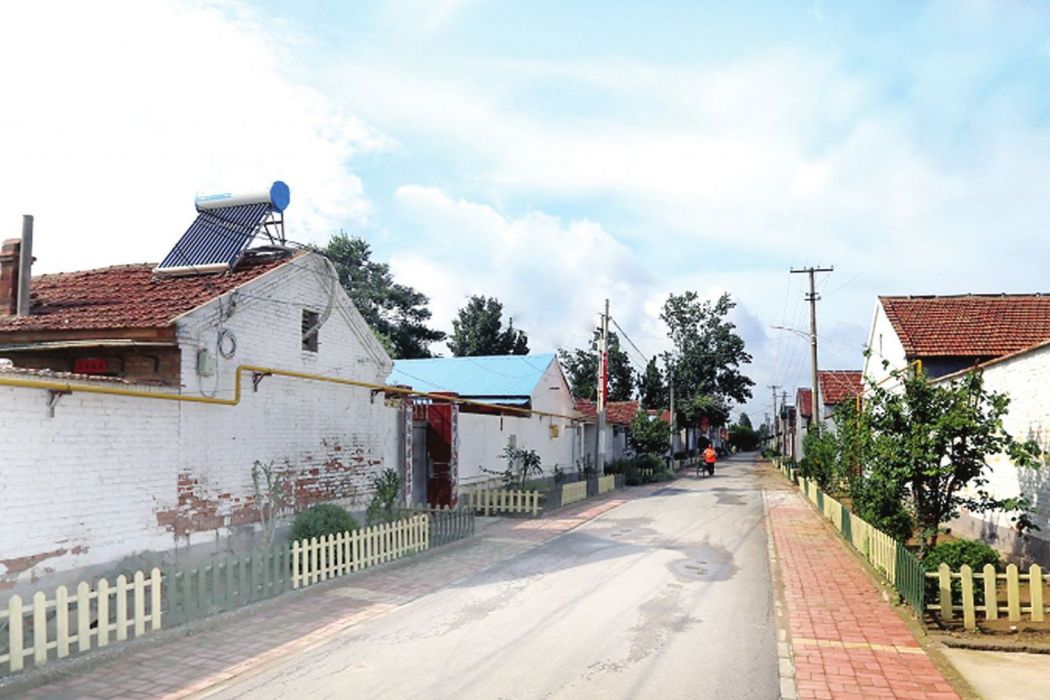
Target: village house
836	388
618	417
1007	338
523	401
803	419
134	405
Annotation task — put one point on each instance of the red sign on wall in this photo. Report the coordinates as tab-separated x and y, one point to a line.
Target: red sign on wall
90	365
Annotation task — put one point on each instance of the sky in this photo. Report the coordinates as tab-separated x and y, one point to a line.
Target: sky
557	153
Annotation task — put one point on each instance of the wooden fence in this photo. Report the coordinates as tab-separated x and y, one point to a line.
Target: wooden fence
606	483
978	592
321	558
574	492
496	501
446	524
55	627
227	583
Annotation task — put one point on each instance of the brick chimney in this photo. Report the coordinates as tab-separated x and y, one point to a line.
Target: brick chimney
10	252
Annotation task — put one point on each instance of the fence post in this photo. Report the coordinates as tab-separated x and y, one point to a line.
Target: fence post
14	632
969	618
122	607
102	596
84	616
62	622
39	628
1013	593
991	594
945	591
155	612
140	604
1035	588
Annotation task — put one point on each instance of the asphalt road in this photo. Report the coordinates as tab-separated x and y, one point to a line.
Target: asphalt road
668	596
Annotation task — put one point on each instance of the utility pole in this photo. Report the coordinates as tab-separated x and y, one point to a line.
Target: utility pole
783	405
603	388
674	433
776	419
812	298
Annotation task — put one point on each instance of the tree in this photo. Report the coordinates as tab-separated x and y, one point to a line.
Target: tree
395	312
707	353
652	389
581	366
933	441
744	421
649	435
478	330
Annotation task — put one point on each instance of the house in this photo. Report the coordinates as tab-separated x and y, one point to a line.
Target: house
803	419
465	442
618	417
134	405
836	388
1024	376
950	333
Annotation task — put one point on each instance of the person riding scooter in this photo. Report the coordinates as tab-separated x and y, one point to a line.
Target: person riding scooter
710	457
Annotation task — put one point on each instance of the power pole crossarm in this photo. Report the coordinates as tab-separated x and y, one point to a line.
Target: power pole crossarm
812	298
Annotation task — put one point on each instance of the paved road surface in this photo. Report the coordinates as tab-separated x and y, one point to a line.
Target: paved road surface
668	596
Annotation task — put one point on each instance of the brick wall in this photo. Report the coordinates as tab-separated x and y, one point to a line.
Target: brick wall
109	477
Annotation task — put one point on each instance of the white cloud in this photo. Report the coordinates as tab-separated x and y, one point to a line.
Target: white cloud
116	115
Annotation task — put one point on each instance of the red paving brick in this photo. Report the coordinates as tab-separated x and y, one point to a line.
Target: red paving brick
846	640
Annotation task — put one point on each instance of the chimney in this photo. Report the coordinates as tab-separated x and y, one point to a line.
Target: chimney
10	259
25	265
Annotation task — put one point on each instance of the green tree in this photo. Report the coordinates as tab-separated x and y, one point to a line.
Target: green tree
744	421
652	389
649	435
707	352
933	441
581	368
478	330
396	313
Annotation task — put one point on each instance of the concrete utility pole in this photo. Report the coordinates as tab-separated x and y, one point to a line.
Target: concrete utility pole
812	298
776	419
783	405
674	433
603	388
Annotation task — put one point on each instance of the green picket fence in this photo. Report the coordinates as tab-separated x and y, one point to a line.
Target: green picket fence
225	584
447	524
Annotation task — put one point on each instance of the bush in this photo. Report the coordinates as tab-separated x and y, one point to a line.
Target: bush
322	519
820	462
383	508
881	504
955	554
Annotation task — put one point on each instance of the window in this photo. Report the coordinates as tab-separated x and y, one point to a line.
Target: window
310	320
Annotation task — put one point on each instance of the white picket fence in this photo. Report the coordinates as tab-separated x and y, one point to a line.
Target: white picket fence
53	627
321	558
574	492
493	501
606	483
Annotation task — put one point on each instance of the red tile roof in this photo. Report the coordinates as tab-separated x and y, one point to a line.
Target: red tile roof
968	325
838	385
804	401
124	296
618	412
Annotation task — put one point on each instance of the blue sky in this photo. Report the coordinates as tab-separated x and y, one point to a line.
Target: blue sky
557	153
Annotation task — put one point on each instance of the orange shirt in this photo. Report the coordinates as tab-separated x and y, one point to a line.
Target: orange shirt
710	455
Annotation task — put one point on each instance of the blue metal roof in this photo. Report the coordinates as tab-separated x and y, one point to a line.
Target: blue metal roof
494	376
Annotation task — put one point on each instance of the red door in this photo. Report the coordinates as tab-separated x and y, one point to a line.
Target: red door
439	454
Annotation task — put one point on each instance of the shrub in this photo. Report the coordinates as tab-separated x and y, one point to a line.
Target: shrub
820	462
955	554
322	519
881	503
383	508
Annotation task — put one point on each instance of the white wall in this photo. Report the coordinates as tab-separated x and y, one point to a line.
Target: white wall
1025	379
885	345
111	476
482	439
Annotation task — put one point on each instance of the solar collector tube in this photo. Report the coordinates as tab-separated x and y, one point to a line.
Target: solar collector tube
277	196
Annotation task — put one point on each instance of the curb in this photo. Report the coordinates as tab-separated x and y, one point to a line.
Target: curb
785	659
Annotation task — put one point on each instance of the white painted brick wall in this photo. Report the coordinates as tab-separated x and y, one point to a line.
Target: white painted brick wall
1026	379
95	482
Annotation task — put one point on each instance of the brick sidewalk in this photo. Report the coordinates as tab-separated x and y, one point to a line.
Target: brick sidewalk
847	641
181	666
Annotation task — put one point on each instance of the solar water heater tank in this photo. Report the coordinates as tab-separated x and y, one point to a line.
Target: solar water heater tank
277	197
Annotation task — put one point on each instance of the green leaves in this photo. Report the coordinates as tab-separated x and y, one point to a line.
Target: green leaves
478	330
581	369
649	435
396	313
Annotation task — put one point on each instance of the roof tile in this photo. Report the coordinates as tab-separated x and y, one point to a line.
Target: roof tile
968	325
838	385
